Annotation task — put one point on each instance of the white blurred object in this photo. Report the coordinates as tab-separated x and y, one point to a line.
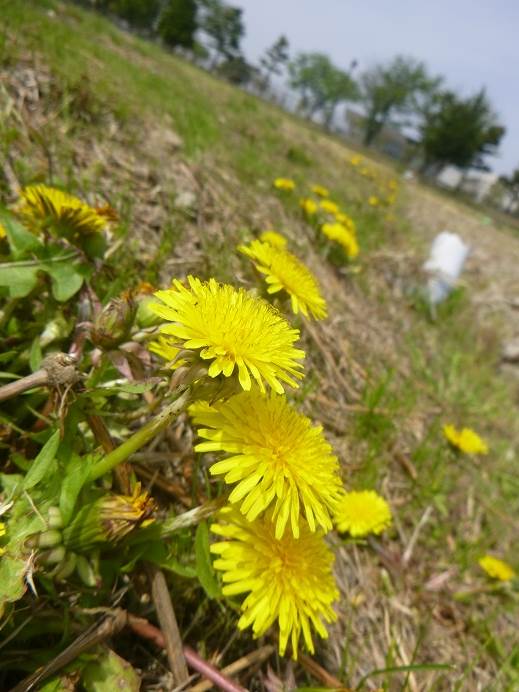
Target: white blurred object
409	175
445	264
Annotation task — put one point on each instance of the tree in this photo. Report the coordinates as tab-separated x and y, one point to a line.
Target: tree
274	60
511	185
224	26
393	89
140	14
178	23
236	70
460	131
321	84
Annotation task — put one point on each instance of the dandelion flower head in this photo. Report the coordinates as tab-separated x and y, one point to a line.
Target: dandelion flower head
286	184
346	221
356	160
343	236
284	271
276	457
274	238
466	440
362	512
308	205
289	580
234	330
320	191
43	204
496	568
373	201
329	207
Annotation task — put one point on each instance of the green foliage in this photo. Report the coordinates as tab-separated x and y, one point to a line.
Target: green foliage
321	84
140	14
109	672
274	60
178	23
393	89
223	25
460	131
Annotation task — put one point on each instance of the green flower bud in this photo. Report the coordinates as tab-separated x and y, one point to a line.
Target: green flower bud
54	556
108	520
145	316
86	571
67	566
113	324
49	539
54	518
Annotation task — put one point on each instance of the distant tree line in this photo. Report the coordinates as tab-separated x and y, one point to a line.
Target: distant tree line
451	129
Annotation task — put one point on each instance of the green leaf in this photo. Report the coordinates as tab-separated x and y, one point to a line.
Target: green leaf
21	241
42	462
19	280
12	579
204	566
110	672
77	472
35	355
66	279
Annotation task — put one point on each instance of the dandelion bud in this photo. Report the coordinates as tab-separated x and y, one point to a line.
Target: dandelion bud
54	556
146	317
67	566
86	572
108	520
49	539
54	518
112	326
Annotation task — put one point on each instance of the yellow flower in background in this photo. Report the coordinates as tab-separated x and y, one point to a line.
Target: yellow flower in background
466	440
496	568
345	220
234	330
320	191
343	236
373	201
362	512
393	184
278	460
43	204
3	232
284	184
284	271
289	580
163	348
356	160
274	238
308	205
329	207
2	533
390	199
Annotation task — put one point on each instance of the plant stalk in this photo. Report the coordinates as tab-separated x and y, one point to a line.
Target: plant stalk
142	436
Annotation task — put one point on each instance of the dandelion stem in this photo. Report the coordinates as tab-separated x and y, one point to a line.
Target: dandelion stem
142	436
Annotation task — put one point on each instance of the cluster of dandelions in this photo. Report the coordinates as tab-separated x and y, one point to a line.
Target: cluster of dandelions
327	216
283	480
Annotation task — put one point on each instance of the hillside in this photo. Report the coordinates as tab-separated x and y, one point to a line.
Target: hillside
188	163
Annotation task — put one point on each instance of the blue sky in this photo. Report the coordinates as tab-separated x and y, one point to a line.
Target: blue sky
473	43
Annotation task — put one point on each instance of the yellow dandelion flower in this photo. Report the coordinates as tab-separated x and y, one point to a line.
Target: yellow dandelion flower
345	220
329	207
289	580
286	184
234	330
43	204
274	238
308	205
466	440
3	232
393	184
356	160
277	457
373	201
320	191
362	512
343	236
163	348
496	568
2	528
284	271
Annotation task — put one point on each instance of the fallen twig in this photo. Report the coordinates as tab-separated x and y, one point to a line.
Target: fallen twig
168	623
240	664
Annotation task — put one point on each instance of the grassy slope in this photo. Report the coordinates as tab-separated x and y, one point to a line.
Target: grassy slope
407	375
